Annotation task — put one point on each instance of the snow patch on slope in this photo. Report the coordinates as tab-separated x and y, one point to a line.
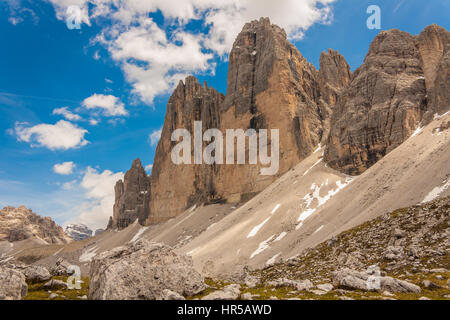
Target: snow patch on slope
88	254
138	234
273	259
315	195
262	246
255	230
433	194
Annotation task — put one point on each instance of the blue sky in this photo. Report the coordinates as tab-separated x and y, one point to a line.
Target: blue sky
77	106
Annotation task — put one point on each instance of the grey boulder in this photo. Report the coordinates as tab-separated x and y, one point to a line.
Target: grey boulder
299	285
355	280
230	292
142	270
12	284
35	274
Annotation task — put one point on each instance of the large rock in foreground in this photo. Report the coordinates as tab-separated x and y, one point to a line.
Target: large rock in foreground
12	284
35	274
142	270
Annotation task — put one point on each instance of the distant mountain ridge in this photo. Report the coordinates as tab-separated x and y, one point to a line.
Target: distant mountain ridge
20	223
78	232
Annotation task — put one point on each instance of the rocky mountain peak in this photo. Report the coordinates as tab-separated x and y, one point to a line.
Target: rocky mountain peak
78	232
22	223
390	96
130	196
359	116
137	164
434	47
334	76
334	69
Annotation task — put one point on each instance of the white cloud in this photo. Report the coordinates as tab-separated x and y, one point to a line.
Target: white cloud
110	105
69	185
99	194
62	5
93	122
18	13
96	55
66	113
64	168
154	137
63	135
149	167
154	59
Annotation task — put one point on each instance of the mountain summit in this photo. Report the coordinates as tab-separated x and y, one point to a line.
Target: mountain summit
357	118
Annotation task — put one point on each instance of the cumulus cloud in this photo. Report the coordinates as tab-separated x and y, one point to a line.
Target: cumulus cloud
69	185
66	113
93	122
154	137
154	59
99	194
64	168
63	135
110	105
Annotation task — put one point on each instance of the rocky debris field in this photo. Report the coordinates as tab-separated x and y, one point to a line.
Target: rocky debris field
400	255
403	254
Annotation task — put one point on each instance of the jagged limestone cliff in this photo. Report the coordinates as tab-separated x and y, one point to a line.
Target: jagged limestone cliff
358	117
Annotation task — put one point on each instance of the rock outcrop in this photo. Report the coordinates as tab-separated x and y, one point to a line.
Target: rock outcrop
390	253
358	117
78	232
355	280
142	270
230	292
403	82
434	47
177	187
12	284
21	223
270	86
35	274
334	77
132	197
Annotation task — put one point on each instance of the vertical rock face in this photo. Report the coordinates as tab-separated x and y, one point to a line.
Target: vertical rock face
403	82
20	223
132	197
382	106
434	48
177	187
270	86
360	117
334	77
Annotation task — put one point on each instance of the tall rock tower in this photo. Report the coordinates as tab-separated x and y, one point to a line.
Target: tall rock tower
270	86
403	82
